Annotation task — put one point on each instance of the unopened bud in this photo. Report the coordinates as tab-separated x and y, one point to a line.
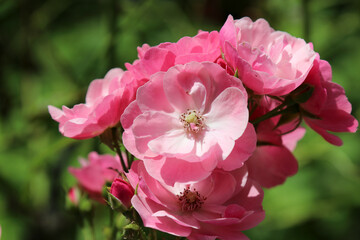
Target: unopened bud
123	191
74	196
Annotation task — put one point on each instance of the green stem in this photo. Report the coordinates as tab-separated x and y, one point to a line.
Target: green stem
92	227
154	234
306	19
276	111
112	225
130	158
117	149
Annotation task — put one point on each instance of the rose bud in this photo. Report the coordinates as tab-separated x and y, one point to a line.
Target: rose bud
74	196
123	191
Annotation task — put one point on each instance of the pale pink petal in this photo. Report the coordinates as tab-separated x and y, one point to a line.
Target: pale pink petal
249	196
151	96
185	87
161	223
151	125
228	31
183	220
97	89
174	142
171	170
221	194
55	113
228	114
243	149
129	115
290	140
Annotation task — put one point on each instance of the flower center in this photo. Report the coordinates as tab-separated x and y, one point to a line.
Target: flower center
192	120
190	200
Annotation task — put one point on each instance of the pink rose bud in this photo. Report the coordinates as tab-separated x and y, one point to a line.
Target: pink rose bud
74	195
123	191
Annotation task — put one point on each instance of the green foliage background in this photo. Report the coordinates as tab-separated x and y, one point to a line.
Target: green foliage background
51	50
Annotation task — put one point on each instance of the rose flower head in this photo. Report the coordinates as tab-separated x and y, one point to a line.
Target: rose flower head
273	162
186	121
220	206
205	46
94	173
123	191
328	109
267	61
106	100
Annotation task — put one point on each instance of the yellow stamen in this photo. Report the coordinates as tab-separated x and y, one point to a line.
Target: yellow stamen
191	118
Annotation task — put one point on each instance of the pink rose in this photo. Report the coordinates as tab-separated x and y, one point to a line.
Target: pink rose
95	172
267	61
273	162
186	121
328	109
123	191
204	46
74	196
220	206
106	100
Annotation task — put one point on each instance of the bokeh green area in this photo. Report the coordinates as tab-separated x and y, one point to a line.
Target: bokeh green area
51	50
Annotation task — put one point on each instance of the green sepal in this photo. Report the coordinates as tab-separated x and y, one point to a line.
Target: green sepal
136	189
121	221
132	226
303	93
236	74
309	115
288	115
116	204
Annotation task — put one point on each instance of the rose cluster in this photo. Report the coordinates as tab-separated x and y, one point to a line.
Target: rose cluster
211	119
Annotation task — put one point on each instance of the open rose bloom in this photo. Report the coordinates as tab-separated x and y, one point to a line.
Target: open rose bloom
210	120
268	61
220	206
106	100
197	120
95	172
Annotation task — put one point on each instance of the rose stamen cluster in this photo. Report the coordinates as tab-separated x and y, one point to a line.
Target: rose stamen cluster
192	121
190	200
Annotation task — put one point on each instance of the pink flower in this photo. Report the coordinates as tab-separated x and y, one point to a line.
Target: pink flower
94	173
74	196
328	109
106	100
188	120
273	162
220	206
123	191
267	61
203	47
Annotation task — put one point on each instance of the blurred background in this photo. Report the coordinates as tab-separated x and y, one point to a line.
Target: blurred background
51	50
